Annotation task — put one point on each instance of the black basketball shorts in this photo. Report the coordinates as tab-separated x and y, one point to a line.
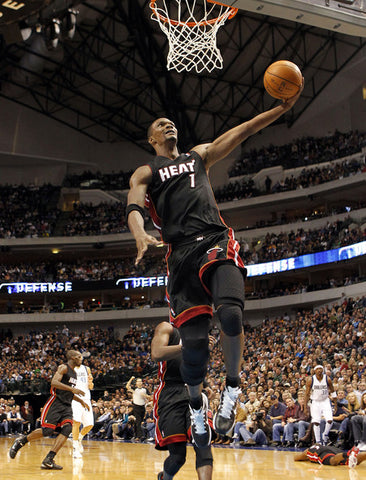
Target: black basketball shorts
55	414
172	419
189	266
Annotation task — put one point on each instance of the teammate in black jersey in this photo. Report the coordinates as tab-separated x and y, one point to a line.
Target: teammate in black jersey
203	261
57	411
171	409
329	455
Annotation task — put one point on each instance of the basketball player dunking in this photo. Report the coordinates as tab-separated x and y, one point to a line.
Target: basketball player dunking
203	259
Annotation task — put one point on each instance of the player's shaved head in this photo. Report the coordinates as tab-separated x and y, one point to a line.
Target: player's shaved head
71	354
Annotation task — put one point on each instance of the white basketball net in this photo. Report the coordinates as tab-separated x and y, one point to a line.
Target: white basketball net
191	31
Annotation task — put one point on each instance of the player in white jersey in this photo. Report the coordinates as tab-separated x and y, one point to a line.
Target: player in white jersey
81	415
318	389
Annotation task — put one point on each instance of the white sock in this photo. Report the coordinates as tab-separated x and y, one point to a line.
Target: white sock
328	426
317	433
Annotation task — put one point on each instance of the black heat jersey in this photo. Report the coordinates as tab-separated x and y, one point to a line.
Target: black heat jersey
180	198
57	411
171	411
69	378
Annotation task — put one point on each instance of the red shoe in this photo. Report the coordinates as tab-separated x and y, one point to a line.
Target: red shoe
352	457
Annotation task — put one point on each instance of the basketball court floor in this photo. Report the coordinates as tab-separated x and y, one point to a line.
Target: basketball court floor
105	460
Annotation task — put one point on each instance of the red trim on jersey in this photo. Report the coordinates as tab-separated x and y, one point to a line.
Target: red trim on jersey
179	437
168	253
233	249
162	371
314	457
190	313
203	270
326	456
154	216
232	253
67	420
45	411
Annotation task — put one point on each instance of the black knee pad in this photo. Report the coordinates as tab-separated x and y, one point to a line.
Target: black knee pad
195	353
176	459
203	456
47	432
231	319
66	430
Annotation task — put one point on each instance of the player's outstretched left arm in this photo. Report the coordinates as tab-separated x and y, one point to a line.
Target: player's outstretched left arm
226	143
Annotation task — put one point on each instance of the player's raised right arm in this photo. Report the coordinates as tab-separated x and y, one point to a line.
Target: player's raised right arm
139	183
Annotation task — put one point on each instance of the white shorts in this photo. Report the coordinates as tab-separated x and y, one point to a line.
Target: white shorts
321	409
81	414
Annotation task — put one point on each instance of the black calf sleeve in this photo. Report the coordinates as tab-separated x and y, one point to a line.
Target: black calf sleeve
203	456
176	459
195	353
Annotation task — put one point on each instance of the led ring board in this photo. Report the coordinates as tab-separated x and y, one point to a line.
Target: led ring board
12	11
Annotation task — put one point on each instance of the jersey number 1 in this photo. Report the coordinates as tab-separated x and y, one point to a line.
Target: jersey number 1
193	183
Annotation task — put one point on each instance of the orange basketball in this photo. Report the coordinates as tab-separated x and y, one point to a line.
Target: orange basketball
282	79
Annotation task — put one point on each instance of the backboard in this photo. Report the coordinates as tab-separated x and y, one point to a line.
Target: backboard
343	16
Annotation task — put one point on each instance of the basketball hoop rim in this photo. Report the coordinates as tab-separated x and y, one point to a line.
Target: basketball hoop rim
213	21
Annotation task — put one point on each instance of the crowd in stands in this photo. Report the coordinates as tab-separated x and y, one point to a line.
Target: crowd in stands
86	269
279	356
271	247
306	215
293	244
32	211
258	292
88	219
301	152
28	212
29	361
246	188
105	181
283	289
